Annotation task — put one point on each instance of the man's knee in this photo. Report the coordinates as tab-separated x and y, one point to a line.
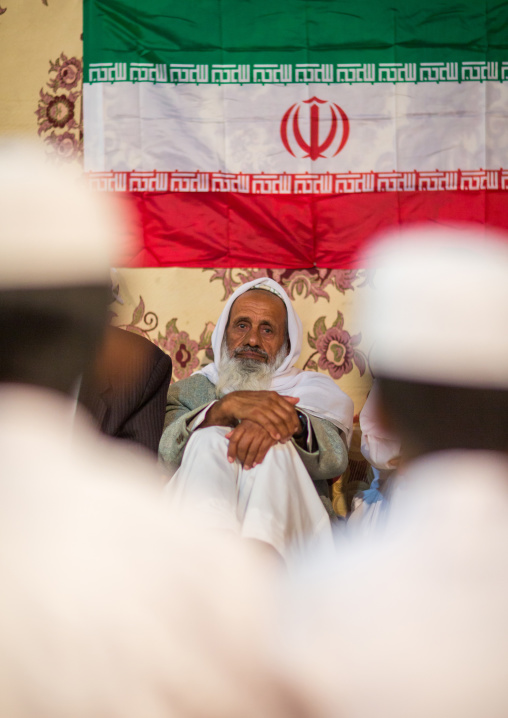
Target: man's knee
208	439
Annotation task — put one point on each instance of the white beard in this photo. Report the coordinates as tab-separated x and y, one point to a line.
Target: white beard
236	374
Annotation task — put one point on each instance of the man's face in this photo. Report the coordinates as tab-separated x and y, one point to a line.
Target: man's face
257	326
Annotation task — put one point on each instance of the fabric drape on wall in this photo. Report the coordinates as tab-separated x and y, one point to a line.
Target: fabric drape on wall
282	133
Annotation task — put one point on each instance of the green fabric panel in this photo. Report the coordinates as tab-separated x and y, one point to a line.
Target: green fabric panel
293	31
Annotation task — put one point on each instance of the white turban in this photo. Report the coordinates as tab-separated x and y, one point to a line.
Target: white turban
318	394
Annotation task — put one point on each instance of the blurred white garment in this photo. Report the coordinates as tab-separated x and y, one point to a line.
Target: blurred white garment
369	507
109	605
274	502
411	621
379	446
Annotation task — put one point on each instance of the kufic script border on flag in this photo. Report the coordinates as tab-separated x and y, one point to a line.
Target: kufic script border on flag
306	183
298	73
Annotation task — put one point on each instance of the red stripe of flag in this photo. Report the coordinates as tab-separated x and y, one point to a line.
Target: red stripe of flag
285	231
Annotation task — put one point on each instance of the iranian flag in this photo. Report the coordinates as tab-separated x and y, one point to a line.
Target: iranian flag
283	133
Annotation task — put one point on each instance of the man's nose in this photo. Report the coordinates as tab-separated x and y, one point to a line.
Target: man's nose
253	337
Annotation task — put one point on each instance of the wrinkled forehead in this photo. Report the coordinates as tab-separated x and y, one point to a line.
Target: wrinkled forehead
263	301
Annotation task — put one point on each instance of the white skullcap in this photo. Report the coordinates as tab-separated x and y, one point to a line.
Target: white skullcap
439	312
53	231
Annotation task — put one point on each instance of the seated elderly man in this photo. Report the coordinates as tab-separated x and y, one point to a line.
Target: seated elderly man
254	438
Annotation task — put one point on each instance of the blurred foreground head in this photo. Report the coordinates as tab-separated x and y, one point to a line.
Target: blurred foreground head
55	252
110	606
437	326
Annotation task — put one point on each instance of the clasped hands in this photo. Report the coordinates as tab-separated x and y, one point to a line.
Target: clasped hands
260	419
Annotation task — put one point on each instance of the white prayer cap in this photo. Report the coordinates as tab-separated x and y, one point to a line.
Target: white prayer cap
439	312
53	231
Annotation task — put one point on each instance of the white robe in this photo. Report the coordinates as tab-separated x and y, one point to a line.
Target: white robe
109	606
411	621
274	502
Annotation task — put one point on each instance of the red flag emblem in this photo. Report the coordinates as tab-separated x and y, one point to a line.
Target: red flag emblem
314	128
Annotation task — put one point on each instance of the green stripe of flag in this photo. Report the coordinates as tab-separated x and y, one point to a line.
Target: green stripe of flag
294	32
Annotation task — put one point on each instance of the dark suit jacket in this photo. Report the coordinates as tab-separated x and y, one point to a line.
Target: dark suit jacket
126	391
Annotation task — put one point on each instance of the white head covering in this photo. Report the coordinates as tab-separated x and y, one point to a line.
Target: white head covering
440	310
54	231
318	394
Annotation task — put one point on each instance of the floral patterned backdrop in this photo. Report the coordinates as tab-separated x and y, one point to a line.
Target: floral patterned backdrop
60	112
41	97
41	74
